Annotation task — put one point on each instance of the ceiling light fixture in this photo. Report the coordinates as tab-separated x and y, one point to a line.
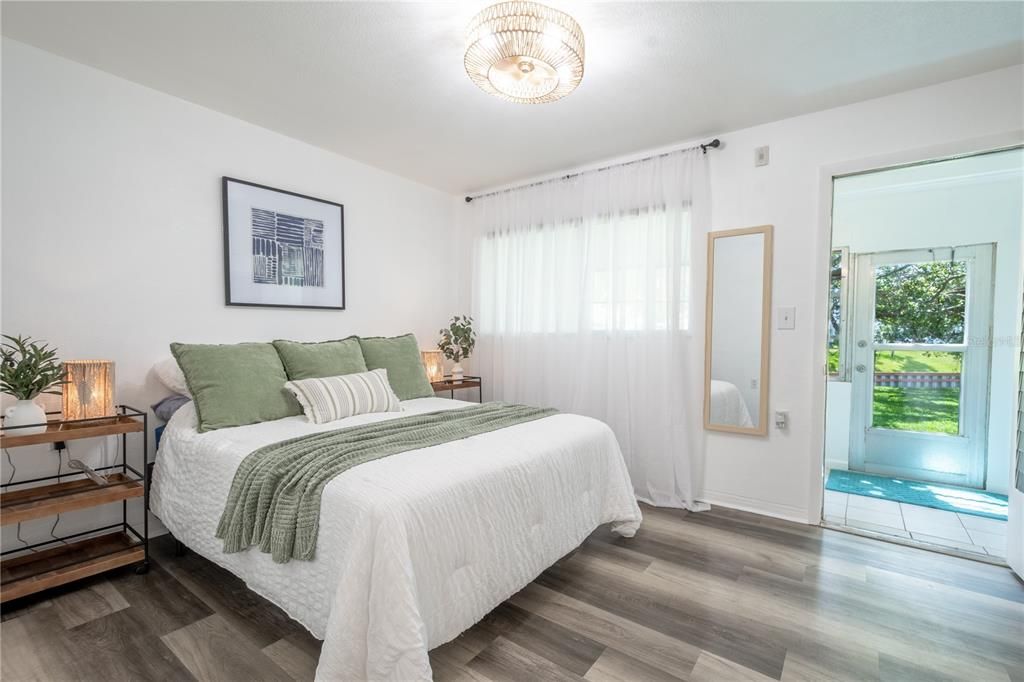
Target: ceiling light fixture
524	52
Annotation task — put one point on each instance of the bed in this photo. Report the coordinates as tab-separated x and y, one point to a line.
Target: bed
728	406
413	548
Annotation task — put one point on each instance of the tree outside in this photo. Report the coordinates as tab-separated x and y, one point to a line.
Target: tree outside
919	303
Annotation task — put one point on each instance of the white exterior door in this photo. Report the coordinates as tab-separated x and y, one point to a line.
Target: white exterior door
920	351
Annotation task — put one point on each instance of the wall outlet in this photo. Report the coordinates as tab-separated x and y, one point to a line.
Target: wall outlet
786	317
761	156
781	419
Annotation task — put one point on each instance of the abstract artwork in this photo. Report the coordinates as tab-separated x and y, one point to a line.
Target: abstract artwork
287	249
282	248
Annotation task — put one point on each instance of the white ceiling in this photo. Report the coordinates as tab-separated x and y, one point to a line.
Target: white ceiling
384	83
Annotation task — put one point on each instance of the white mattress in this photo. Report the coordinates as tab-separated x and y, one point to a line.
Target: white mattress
728	406
413	548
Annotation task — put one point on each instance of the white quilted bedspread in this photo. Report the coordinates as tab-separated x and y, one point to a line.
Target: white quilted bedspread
728	406
413	548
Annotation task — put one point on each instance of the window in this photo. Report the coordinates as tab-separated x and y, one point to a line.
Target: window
839	278
611	273
922	304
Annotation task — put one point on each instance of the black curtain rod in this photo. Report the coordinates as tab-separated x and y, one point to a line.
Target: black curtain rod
713	144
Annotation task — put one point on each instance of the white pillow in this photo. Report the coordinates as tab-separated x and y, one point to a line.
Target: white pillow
328	399
171	376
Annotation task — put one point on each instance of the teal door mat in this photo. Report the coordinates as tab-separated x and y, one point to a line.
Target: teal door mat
935	495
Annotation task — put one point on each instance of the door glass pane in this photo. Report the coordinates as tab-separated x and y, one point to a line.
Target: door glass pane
917	391
835	311
920	302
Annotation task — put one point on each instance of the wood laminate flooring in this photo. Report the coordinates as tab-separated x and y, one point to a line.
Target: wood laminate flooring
716	596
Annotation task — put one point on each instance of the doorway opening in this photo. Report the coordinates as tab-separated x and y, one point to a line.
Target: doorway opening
925	277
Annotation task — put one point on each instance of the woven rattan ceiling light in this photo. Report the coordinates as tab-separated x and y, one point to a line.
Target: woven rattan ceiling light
524	52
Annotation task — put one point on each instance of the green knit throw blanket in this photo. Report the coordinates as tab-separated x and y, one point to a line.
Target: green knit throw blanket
275	496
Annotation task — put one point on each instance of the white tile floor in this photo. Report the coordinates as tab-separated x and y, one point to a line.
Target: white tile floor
934	526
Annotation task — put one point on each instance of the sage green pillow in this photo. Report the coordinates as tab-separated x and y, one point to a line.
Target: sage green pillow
400	356
234	385
324	359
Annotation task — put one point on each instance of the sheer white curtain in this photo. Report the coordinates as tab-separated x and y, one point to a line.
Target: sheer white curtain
588	297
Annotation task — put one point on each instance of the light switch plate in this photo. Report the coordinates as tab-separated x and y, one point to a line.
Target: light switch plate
761	156
786	317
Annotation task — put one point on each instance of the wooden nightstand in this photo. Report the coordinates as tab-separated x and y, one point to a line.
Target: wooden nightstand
71	557
449	384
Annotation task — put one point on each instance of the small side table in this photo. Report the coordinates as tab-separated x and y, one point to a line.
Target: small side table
450	385
87	552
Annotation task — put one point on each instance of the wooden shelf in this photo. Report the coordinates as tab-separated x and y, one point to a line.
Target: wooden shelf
449	384
30	573
58	431
46	500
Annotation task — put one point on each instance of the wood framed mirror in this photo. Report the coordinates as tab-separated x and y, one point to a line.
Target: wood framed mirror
737	329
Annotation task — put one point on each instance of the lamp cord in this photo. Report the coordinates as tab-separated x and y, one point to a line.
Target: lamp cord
10	463
60	473
14	470
60	469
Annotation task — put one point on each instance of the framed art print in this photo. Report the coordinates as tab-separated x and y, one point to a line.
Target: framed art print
282	249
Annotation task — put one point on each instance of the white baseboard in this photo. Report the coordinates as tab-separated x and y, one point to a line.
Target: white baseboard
748	504
841	464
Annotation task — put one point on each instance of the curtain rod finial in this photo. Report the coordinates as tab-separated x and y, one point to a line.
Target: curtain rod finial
469	199
714	144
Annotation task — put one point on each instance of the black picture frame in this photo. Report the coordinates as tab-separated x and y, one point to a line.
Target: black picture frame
225	183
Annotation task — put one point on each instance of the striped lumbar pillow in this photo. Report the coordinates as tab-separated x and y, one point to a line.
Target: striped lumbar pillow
327	399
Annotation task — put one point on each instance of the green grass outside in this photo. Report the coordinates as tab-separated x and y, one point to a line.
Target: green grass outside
904	361
933	410
917	361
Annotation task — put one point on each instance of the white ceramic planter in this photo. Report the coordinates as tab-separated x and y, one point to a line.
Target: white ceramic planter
457	372
25	412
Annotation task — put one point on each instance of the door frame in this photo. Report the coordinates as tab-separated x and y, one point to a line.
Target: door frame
822	255
977	365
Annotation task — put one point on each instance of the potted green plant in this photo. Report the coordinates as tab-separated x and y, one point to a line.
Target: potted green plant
28	369
457	343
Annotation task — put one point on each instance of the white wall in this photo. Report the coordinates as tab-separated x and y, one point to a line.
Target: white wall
781	475
838	395
975	200
112	233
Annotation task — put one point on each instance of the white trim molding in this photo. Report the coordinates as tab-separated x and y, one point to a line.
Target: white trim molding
964	147
755	506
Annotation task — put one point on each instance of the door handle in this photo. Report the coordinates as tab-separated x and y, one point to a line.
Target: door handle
860	368
862	343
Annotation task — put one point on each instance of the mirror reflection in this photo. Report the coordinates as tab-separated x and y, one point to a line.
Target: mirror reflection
736	350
